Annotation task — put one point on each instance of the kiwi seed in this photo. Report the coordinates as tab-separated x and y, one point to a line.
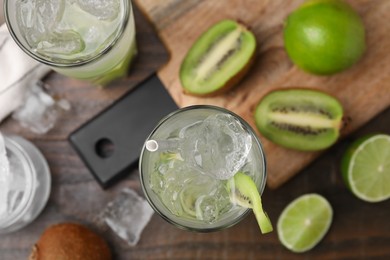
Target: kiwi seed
218	60
301	119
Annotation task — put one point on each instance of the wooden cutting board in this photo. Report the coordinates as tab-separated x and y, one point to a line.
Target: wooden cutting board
364	89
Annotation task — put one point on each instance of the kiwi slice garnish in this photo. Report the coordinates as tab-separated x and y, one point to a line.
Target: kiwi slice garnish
300	119
218	59
243	192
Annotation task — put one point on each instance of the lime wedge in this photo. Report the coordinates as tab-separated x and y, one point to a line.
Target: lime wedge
243	192
304	222
366	168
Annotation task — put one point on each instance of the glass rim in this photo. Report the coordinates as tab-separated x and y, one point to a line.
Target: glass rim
124	23
235	220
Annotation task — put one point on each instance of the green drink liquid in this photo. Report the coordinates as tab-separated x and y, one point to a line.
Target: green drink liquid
92	40
186	179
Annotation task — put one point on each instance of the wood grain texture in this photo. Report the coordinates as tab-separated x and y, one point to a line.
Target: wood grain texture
359	230
364	89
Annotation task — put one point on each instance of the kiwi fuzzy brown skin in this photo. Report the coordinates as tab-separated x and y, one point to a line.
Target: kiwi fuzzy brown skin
302	138
232	79
70	241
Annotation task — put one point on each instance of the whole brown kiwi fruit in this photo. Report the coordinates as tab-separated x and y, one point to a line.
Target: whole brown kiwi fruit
70	241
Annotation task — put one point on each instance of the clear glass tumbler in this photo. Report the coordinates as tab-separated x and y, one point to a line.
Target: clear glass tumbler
186	198
89	40
24	193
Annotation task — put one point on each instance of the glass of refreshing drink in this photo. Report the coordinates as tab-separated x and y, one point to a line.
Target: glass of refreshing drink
202	168
25	183
92	40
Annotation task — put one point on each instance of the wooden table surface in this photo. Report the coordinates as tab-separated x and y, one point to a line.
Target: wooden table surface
181	22
359	230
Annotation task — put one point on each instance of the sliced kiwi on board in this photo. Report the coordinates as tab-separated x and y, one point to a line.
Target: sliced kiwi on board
300	119
243	192
218	59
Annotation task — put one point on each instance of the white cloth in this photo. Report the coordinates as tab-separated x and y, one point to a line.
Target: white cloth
17	72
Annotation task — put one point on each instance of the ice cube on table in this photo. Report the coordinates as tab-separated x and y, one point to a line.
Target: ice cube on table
40	111
127	215
217	146
102	9
36	18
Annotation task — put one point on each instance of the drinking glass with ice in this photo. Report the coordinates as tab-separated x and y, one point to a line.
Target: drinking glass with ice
24	183
87	39
189	161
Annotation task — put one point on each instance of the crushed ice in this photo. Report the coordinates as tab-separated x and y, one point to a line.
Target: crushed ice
37	18
217	146
103	9
4	177
12	181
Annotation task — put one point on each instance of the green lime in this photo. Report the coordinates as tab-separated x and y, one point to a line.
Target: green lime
304	222
366	168
324	36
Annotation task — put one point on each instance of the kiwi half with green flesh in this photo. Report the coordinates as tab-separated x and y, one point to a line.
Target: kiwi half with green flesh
243	192
300	119
218	59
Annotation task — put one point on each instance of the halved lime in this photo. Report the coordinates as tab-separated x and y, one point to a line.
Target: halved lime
304	222
366	168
